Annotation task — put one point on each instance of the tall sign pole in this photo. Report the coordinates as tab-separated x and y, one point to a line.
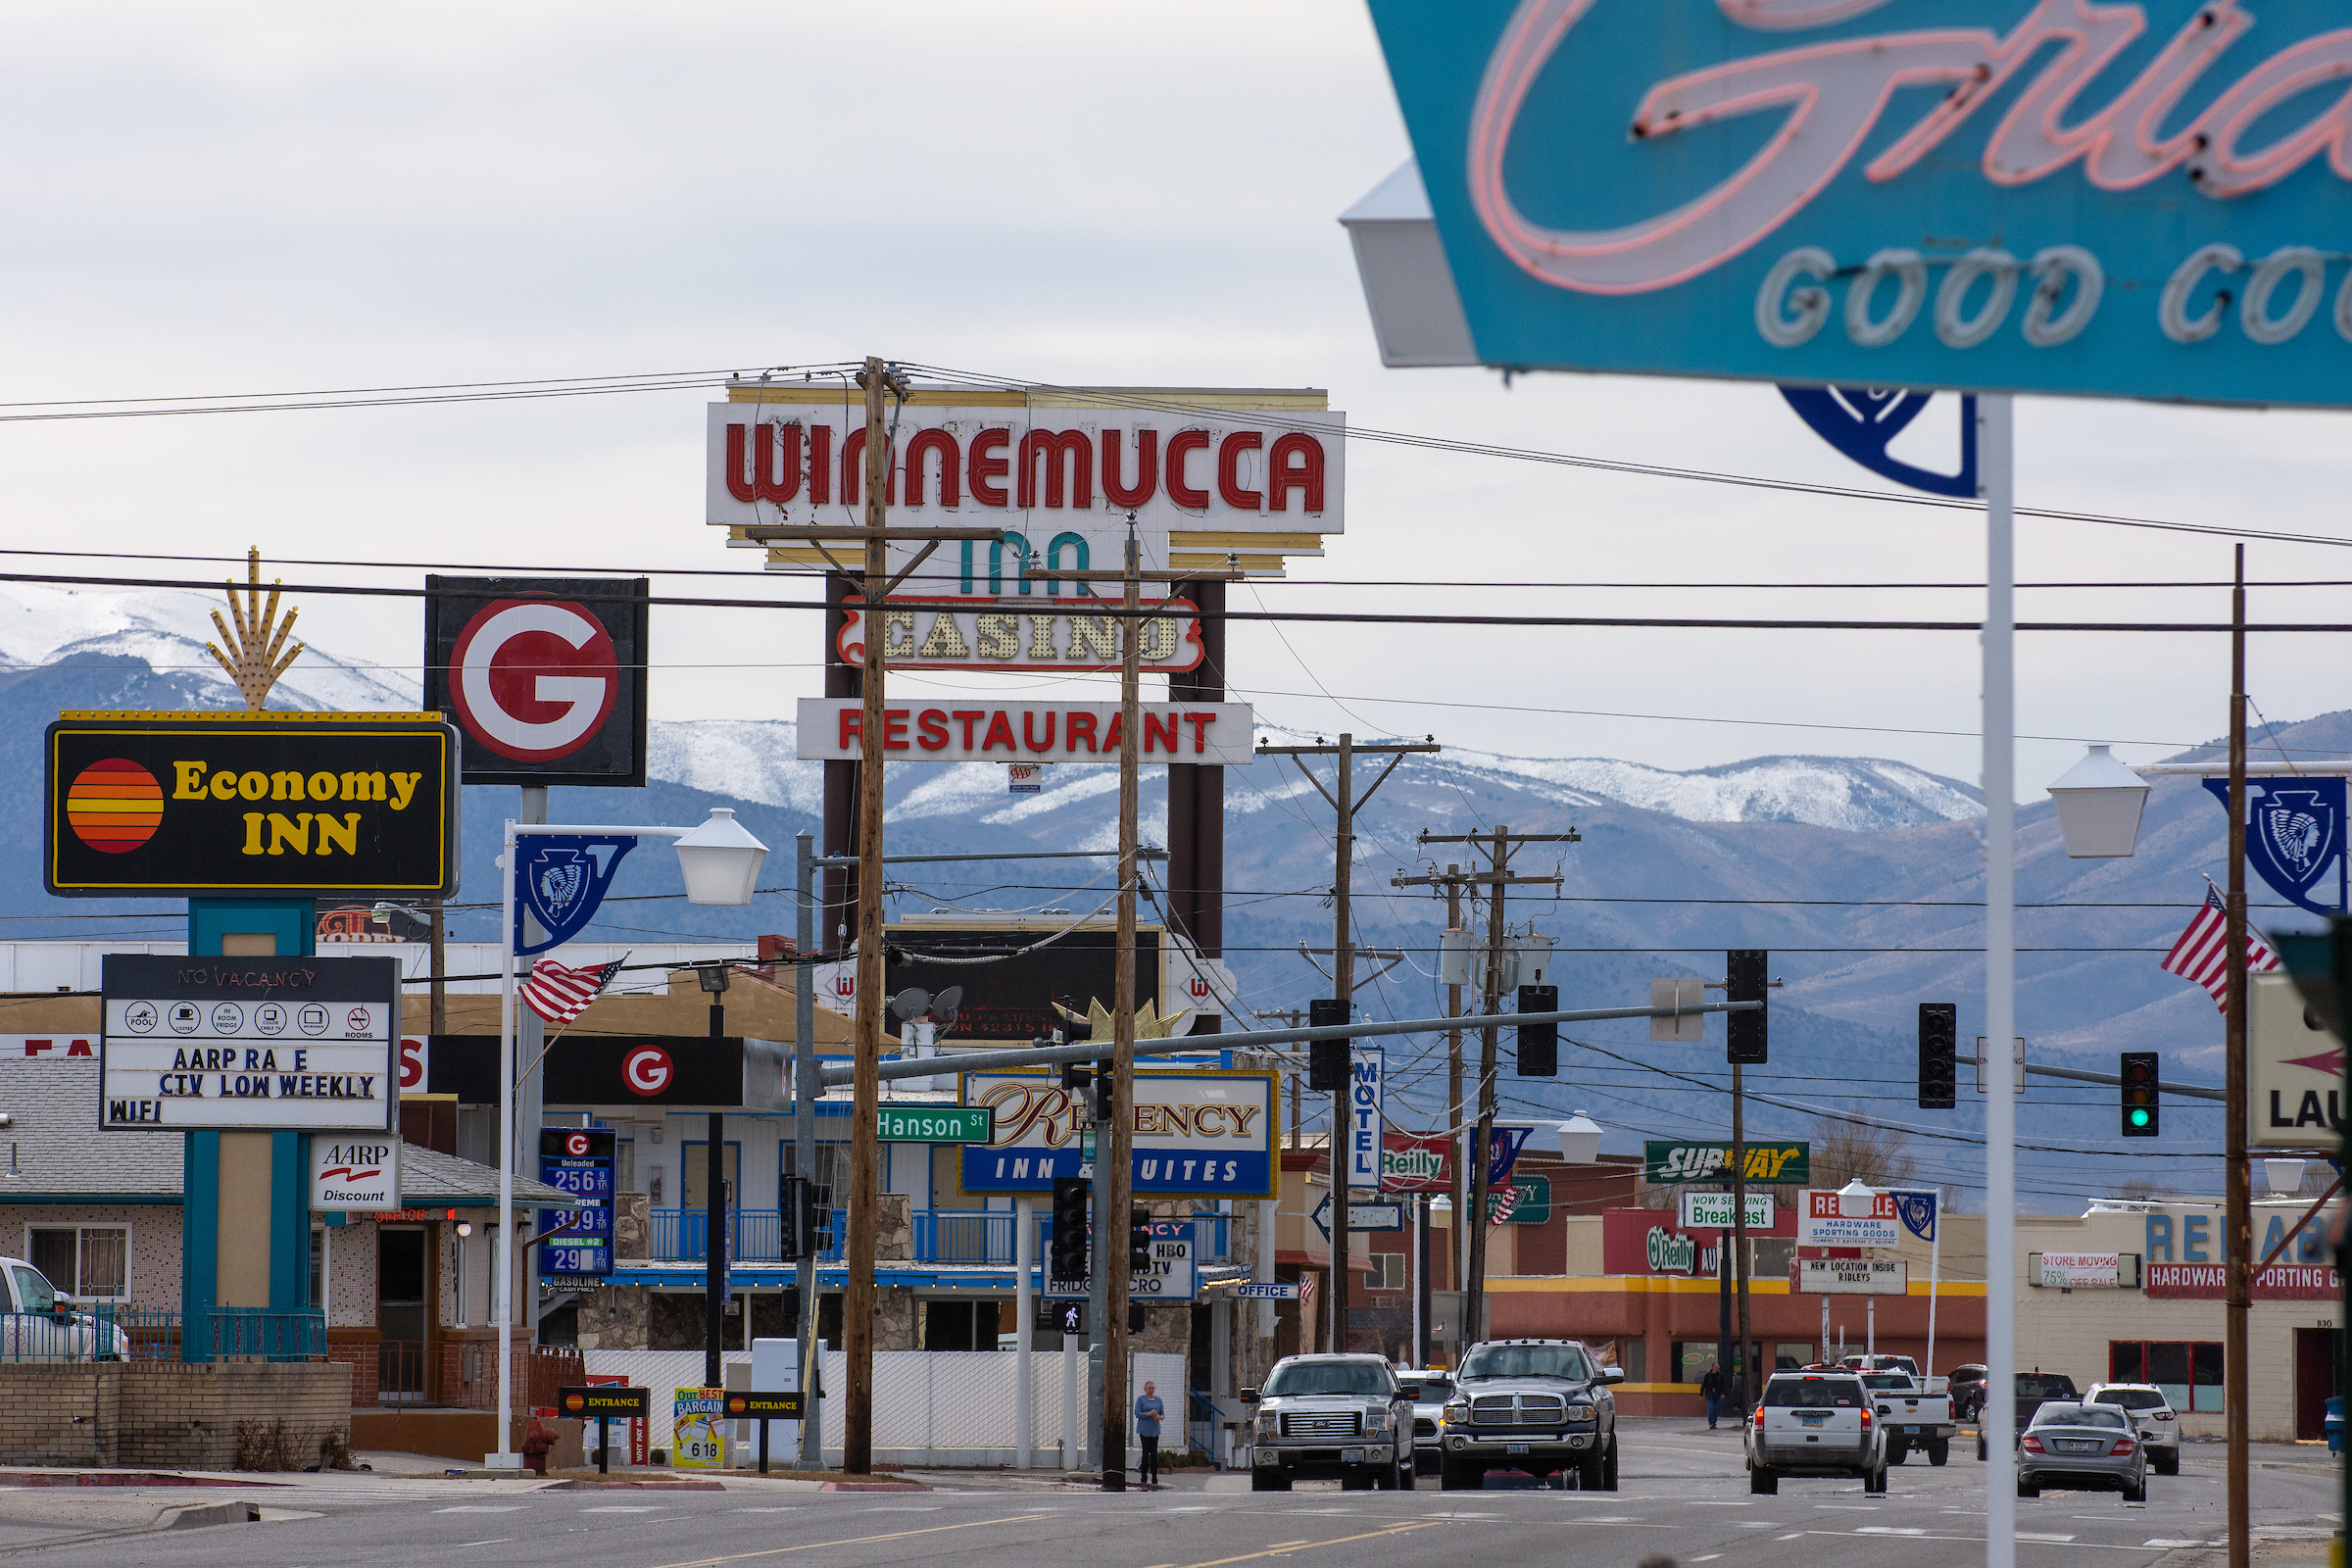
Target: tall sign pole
1112	1260
858	1312
1996	457
1343	986
2237	1252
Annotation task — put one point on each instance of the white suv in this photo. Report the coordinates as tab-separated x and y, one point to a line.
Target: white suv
2152	1416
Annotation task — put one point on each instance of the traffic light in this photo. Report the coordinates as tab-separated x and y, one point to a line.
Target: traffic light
1939	1056
1094	1084
2142	1116
1539	1043
1070	1199
1070	1316
1327	1059
1139	1239
1743	981
798	1219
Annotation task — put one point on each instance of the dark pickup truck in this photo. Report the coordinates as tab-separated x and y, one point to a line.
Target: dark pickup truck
2033	1389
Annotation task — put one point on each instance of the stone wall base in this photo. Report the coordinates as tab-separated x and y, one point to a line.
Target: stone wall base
168	1415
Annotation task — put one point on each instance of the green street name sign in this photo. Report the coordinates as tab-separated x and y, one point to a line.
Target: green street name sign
938	1124
1789	1160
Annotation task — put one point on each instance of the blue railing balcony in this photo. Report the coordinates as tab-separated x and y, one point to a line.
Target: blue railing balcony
940	1236
754	1236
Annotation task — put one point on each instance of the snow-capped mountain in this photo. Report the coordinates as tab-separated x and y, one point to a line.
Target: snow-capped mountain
754	759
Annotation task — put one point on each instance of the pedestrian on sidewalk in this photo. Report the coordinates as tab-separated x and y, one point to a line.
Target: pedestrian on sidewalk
1148	1412
1710	1387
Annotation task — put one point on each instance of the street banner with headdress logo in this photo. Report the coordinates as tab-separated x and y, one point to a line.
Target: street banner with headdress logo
560	880
2295	838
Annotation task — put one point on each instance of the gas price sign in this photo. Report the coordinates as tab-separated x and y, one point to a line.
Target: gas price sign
579	1160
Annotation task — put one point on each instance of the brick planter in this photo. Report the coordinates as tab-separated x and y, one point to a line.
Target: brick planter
166	1414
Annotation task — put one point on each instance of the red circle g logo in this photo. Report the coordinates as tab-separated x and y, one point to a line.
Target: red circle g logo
647	1070
576	1144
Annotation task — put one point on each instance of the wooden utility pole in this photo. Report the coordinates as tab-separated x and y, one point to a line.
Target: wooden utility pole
2237	1252
1345	803
1111	1250
1499	846
1749	1369
1457	1257
859	1248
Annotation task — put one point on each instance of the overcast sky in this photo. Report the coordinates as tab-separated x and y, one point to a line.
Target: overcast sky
265	198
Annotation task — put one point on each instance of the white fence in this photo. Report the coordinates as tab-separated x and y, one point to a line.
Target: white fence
931	1408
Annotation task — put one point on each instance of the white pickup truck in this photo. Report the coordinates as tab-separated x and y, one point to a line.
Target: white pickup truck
1913	1416
1816	1424
36	1324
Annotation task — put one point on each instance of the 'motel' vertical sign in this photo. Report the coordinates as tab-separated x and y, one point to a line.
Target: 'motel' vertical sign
579	1160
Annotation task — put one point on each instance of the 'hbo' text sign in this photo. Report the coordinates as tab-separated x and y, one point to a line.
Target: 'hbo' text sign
299	1043
2143	200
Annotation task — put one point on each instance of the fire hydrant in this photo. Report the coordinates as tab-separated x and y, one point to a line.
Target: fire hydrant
535	1443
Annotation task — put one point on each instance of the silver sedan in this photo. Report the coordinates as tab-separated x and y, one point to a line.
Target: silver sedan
2079	1448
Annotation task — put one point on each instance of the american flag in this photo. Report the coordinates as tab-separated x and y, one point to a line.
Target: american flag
560	994
1501	1204
2202	953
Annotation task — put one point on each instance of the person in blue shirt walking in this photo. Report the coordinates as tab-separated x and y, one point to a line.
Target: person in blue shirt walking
1148	1412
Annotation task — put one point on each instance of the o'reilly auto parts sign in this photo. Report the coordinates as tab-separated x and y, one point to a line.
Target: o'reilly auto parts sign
1787	1160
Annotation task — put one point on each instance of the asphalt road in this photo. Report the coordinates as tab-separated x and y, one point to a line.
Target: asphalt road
1681	1495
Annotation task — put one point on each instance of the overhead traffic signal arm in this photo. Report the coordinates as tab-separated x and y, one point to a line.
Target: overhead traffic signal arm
1744	1033
1327	1059
1939	1056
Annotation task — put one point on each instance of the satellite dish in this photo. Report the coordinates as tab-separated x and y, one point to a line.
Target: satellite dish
943	1006
910	1004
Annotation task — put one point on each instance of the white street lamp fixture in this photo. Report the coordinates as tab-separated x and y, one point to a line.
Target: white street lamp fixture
1856	1201
2286	1176
1443	1204
1579	1139
720	860
2099	801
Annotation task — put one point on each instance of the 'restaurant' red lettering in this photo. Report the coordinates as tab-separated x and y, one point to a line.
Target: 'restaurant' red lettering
1295	464
967	715
1200	723
1029	733
1228	469
1078	724
998	724
983	470
1111	731
1147	469
1153	736
931	726
1183	494
894	729
853	727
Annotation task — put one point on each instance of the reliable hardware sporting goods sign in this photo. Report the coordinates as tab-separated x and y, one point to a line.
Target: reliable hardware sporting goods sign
2142	199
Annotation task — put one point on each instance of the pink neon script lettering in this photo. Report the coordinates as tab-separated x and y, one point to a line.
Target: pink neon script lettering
1832	94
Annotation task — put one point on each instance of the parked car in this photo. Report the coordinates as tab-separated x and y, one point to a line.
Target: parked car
1326	1417
1815	1424
1880	1363
43	1326
1967	1386
1429	1388
2152	1418
2082	1446
1913	1416
1543	1407
2034	1389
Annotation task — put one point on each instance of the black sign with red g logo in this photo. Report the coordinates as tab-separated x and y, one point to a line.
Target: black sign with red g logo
545	676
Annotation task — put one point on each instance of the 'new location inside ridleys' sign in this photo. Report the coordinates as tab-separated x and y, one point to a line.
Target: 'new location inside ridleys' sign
164	805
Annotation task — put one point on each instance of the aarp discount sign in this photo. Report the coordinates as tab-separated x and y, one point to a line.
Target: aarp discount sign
545	676
2143	200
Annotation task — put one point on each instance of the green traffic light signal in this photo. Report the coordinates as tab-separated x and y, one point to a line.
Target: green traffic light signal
2139	1118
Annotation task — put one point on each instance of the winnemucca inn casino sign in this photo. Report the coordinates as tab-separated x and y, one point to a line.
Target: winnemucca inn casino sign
164	804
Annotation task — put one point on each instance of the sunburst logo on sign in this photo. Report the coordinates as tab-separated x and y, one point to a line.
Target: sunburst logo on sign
115	805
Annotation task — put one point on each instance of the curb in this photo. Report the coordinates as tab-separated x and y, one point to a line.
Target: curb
196	1516
873	1485
120	1478
623	1484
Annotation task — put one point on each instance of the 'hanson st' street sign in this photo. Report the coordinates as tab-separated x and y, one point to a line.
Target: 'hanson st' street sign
938	1124
2142	199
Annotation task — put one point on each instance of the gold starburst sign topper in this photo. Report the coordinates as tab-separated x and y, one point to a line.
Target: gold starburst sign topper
1147	1026
257	660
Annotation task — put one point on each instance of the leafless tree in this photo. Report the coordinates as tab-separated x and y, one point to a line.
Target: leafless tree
1845	1149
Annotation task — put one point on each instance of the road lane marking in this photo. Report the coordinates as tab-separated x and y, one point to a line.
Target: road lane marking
2041	1534
1889	1529
483	1507
1286	1546
2168	1541
1798	1535
626	1507
853	1541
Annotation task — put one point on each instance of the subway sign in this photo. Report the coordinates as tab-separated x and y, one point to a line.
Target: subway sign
184	804
1787	1160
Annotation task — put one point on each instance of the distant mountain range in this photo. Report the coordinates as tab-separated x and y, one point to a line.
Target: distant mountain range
1864	877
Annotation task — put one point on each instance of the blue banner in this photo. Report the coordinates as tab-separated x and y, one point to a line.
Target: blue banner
560	880
1918	1213
2295	837
2142	199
